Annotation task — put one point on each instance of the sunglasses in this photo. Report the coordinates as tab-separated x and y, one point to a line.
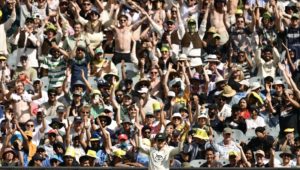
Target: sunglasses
86	113
52	135
153	72
30	125
80	49
160	140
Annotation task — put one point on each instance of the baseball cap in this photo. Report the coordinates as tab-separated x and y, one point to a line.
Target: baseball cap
295	16
77	119
233	153
60	109
227	130
260	152
122	137
160	136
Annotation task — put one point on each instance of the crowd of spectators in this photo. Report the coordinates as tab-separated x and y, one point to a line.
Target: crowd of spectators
158	84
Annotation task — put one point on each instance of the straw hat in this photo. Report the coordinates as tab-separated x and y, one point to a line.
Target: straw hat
228	91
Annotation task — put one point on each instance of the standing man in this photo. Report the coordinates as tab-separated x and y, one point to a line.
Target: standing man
123	39
161	153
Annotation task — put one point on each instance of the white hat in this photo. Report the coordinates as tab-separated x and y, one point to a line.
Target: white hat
182	57
143	90
245	82
212	58
177	115
255	85
196	62
217	93
203	115
278	82
219	79
171	94
195	52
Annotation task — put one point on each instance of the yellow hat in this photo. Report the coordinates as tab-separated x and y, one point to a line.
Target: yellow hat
95	92
216	35
239	11
212	30
2	57
233	153
289	130
51	27
92	154
164	48
257	96
1	13
119	153
201	134
70	152
156	106
146	142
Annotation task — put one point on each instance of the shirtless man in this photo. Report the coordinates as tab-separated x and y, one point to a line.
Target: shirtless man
155	82
21	101
217	19
123	39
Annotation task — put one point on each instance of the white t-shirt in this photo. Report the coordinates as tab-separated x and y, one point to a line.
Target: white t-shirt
252	124
160	159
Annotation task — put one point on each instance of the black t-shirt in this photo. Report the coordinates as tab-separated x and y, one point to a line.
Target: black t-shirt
263	144
289	120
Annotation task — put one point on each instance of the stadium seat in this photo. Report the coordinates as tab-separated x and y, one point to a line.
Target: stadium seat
224	161
249	135
238	136
92	81
197	163
45	81
130	70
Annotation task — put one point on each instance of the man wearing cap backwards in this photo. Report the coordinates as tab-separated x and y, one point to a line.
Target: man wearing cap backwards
160	154
268	32
5	26
191	39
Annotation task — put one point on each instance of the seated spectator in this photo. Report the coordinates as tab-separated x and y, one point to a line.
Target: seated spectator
255	120
210	159
262	141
